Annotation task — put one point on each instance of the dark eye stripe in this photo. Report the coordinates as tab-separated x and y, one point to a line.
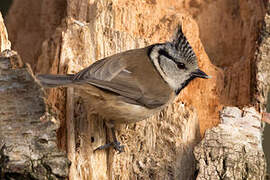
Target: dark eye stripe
165	53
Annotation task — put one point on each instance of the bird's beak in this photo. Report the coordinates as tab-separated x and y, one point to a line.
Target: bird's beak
200	74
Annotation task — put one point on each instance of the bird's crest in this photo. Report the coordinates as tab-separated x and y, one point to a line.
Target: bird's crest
181	44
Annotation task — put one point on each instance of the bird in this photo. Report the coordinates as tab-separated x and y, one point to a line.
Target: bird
133	85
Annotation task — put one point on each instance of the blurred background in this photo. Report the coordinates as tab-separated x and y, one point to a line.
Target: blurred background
5	5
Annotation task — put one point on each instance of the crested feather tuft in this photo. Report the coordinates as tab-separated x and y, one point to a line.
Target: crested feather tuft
180	42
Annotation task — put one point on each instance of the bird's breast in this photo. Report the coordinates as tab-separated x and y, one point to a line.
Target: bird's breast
112	108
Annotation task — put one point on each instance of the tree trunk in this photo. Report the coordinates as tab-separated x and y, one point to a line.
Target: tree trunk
65	36
28	143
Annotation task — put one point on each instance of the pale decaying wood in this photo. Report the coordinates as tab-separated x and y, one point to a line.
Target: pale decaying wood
4	42
233	149
28	139
160	147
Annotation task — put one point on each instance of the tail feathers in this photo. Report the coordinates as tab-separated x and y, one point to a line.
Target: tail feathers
50	80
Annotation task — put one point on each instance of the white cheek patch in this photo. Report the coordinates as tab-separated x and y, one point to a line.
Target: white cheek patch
154	57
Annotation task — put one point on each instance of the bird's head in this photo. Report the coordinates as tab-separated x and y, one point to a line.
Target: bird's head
176	62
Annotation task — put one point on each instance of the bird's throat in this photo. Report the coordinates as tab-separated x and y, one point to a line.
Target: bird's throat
184	84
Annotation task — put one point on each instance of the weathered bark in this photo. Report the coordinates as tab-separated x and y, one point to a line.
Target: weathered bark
27	131
28	143
233	149
65	36
261	78
261	73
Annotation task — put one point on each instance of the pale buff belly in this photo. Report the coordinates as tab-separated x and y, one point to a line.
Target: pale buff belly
113	109
119	112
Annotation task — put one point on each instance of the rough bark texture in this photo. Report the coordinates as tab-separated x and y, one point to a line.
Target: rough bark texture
261	78
28	143
262	74
65	36
233	149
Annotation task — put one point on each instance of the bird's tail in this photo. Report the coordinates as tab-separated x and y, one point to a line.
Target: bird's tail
51	80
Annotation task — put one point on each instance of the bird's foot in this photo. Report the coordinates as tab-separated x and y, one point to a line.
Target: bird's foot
116	145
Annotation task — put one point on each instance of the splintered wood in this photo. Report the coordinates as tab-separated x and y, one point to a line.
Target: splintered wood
233	149
4	42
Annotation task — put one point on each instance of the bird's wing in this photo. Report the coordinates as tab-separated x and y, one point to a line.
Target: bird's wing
113	74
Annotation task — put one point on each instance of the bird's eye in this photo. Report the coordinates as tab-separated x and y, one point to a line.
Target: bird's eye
181	65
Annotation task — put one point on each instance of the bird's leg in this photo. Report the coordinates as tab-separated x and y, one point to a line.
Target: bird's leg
116	144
